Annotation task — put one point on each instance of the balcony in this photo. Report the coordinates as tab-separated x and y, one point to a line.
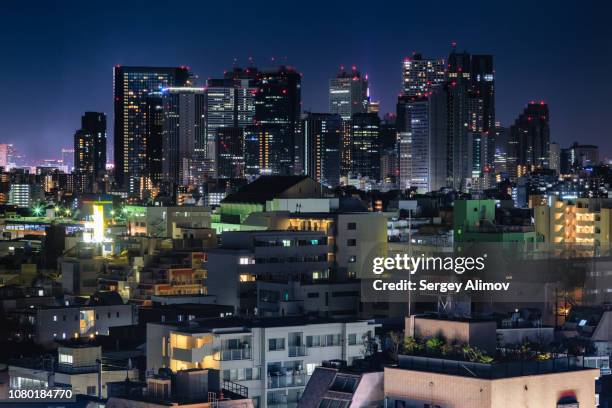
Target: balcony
277	380
234	354
297	351
193	355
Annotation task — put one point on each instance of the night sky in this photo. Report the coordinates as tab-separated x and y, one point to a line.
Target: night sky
57	56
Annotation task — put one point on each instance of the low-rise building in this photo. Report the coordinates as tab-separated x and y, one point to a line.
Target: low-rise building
47	324
272	357
79	366
443	383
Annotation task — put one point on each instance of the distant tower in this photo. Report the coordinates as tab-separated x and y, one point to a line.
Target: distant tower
529	143
421	75
132	87
90	151
348	93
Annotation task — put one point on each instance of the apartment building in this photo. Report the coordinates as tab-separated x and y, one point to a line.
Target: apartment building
273	357
580	221
325	299
164	222
356	237
47	324
247	256
78	366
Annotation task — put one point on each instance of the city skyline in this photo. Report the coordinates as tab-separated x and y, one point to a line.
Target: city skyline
578	111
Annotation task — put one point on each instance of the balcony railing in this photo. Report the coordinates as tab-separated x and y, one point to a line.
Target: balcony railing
287	380
297	351
234	354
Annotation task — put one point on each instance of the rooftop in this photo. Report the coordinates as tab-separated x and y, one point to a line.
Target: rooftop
489	371
210	325
263	189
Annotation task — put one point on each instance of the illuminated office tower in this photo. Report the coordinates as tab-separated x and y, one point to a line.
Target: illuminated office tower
68	159
582	155
275	132
154	132
20	195
388	149
482	78
132	86
529	140
364	146
322	134
501	150
184	135
420	75
421	126
90	152
230	102
471	119
230	152
348	93
554	157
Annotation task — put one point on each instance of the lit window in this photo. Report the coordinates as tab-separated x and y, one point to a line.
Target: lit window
65	358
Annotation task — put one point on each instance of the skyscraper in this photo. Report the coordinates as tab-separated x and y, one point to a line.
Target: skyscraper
583	155
554	157
482	78
421	124
530	140
184	135
230	152
471	119
389	150
348	93
90	151
322	139
501	149
420	75
276	123
68	159
132	86
365	146
230	102
154	132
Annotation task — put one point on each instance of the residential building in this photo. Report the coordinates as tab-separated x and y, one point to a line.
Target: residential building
78	366
272	357
90	151
248	256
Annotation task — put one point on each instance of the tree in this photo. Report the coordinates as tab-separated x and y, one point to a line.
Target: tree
396	341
